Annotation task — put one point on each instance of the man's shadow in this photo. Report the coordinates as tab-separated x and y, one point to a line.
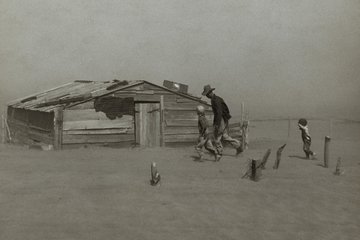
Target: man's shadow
299	157
197	159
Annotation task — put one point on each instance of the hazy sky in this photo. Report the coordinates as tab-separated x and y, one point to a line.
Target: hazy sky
281	57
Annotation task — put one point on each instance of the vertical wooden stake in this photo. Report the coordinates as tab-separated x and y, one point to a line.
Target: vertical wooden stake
155	176
338	166
58	126
3	130
326	151
278	156
162	122
255	170
265	158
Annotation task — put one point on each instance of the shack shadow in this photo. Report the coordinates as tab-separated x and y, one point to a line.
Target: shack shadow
197	159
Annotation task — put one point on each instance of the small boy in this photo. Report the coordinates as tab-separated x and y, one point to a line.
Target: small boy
306	138
204	140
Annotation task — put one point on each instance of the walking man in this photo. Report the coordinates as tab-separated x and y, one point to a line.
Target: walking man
221	122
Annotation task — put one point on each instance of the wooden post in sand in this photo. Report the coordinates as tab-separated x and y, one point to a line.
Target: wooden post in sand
338	166
278	156
3	130
155	176
265	158
255	170
326	151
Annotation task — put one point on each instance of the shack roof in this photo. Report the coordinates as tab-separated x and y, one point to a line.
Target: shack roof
80	91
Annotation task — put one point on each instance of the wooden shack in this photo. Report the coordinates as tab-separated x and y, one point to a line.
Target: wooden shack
113	113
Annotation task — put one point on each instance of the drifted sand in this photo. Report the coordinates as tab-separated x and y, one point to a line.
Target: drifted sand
103	193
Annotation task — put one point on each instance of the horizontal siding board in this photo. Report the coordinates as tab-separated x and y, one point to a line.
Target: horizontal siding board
41	137
89	145
181	138
83	114
184	115
99	131
180	123
181	130
98	124
191	105
190	109
97	138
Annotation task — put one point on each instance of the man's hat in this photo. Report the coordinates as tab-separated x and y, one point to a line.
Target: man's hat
207	90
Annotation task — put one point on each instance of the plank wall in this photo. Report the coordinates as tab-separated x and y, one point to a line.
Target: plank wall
30	127
82	125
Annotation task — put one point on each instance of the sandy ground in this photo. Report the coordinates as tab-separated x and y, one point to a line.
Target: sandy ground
103	193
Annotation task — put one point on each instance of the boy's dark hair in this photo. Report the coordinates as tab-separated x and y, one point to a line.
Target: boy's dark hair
302	121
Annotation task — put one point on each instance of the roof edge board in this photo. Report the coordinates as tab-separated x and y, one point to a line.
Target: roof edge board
180	94
108	93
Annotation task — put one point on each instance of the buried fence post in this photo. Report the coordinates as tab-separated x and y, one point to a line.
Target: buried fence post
338	166
155	176
265	158
3	130
278	156
255	170
326	151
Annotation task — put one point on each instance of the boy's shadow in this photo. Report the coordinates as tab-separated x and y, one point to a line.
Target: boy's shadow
197	159
299	157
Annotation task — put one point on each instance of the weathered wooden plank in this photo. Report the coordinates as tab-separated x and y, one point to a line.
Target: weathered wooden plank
147	98
83	114
90	145
98	138
180	99
190	105
181	138
180	123
190	109
185	115
40	137
85	105
124	122
181	130
99	131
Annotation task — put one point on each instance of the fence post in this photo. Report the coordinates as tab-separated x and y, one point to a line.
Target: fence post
278	156
3	130
326	151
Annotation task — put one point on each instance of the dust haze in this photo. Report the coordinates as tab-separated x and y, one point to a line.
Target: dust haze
282	58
